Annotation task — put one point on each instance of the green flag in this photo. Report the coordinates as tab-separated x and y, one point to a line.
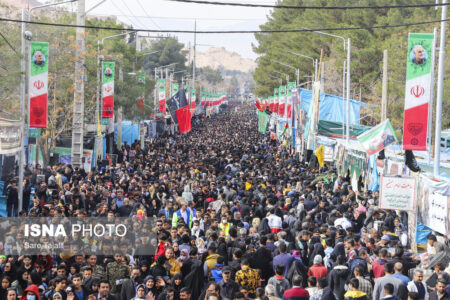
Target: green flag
263	119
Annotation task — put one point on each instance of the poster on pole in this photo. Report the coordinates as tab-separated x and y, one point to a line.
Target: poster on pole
108	89
398	193
38	84
10	136
162	95
418	91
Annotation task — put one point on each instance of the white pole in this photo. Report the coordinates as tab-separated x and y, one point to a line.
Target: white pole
430	106
22	109
343	99
440	90
348	90
385	86
193	61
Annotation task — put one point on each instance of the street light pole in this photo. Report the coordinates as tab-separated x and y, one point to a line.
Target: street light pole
314	61
26	16
280	80
348	74
297	71
440	90
286	75
100	58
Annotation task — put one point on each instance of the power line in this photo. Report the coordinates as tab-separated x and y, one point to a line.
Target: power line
9	44
140	23
223	32
308	7
145	12
131	22
185	18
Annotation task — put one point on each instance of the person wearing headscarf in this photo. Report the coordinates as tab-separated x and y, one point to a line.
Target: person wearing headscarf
140	293
176	284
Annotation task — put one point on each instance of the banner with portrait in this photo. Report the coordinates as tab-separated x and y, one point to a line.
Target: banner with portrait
418	91
108	89
162	95
38	84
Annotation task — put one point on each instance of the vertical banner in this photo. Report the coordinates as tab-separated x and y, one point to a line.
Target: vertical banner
275	97
38	84
175	88
108	89
141	78
162	95
194	98
418	88
282	101
290	89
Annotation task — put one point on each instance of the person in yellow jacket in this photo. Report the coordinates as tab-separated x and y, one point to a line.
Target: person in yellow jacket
175	266
211	260
225	226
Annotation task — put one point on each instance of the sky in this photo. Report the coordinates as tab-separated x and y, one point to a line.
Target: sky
164	14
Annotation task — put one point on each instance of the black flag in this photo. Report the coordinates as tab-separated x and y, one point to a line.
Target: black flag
174	103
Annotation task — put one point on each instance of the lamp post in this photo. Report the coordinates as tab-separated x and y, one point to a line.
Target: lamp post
26	36
297	71
348	75
309	57
100	59
280	80
286	75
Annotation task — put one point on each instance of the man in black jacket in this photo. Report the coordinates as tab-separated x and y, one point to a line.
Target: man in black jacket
12	199
228	287
263	259
129	286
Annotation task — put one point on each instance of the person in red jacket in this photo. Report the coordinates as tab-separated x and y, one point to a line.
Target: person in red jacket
31	291
297	292
318	269
378	265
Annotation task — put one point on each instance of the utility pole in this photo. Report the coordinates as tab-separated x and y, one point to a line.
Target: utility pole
348	90
322	78
430	106
193	61
78	103
119	128
440	90
385	86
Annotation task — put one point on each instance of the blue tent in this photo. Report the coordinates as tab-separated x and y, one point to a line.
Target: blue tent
332	108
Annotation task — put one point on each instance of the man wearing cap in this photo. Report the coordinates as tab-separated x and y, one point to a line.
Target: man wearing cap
228	287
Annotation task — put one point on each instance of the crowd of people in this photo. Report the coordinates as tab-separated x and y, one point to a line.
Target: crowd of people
237	217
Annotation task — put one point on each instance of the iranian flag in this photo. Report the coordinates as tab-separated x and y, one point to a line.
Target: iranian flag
281	106
377	138
162	95
418	91
275	98
38	84
194	97
290	89
108	89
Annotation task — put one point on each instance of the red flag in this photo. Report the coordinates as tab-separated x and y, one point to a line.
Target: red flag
184	115
108	107
38	111
289	111
184	119
141	104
